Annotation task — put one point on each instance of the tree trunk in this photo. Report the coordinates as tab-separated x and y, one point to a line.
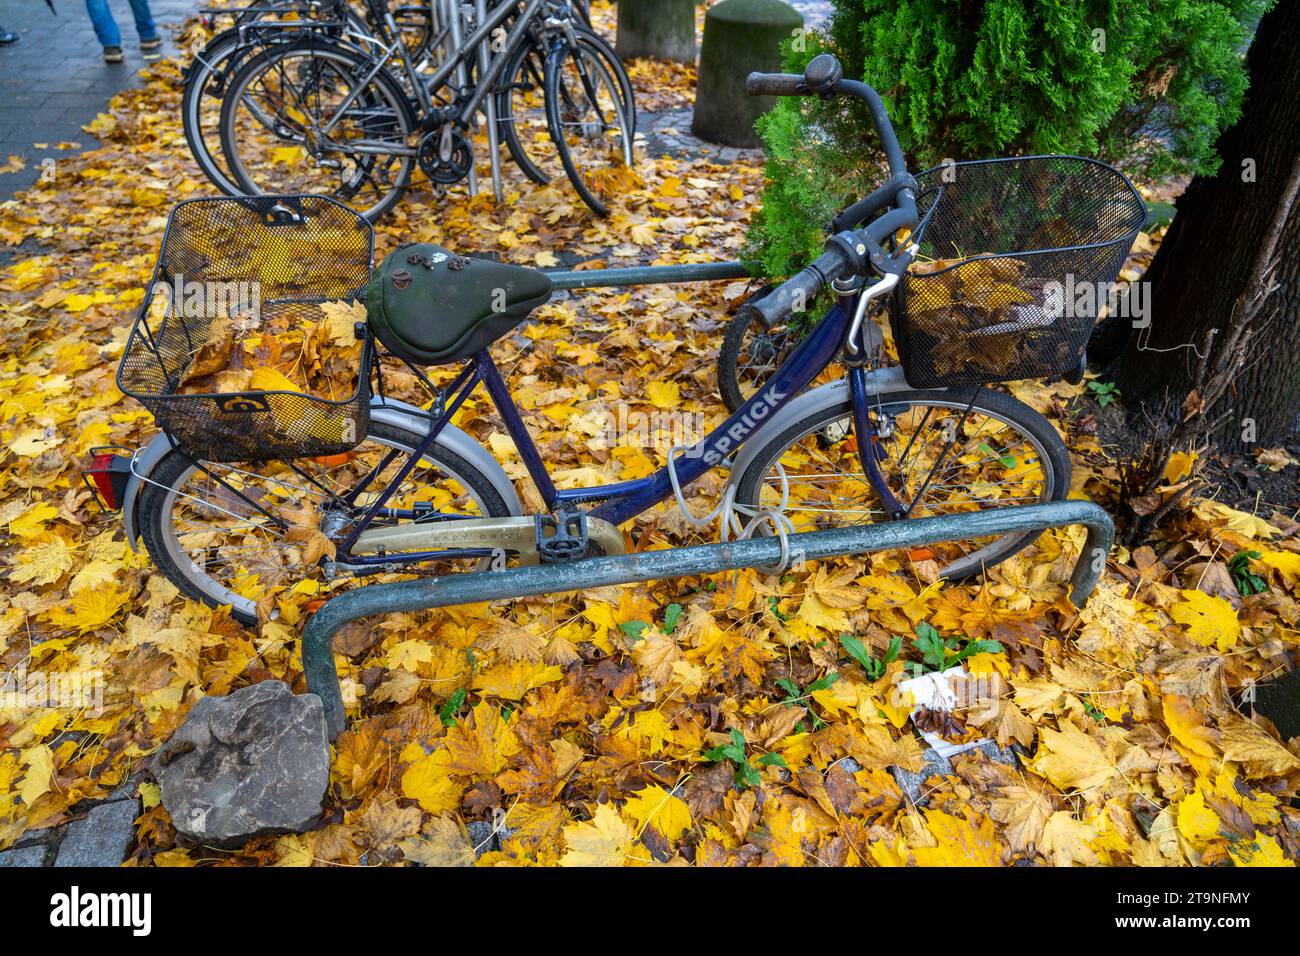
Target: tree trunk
660	29
1205	259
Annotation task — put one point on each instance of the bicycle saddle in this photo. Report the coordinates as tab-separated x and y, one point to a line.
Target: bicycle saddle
433	307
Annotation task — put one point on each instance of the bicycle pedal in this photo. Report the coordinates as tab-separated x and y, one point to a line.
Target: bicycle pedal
561	537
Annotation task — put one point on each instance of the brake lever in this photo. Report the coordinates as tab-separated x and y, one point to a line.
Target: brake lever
883	287
874	291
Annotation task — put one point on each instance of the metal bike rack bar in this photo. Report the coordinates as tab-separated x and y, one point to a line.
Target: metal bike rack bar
478	586
649	275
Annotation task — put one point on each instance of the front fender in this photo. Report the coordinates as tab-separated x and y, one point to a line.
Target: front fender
386	410
882	381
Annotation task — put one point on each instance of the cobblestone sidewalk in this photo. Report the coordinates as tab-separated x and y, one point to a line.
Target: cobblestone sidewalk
100	837
55	80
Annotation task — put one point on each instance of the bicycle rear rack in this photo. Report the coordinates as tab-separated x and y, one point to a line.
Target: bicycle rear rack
479	586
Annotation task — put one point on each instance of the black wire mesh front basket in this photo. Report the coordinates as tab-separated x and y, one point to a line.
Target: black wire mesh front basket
259	263
1016	259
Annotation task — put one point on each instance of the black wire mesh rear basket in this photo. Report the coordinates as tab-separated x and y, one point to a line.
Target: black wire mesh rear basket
1008	247
258	262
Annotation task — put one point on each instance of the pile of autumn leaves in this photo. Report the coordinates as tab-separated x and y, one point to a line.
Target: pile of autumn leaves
718	720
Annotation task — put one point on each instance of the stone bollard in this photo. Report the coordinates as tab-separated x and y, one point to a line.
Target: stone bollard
740	36
660	29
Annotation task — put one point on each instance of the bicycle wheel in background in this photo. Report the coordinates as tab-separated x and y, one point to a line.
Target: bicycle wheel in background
751	351
521	115
590	128
521	108
940	452
206	80
365	159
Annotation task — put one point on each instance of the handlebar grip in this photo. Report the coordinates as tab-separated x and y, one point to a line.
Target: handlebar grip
798	293
775	84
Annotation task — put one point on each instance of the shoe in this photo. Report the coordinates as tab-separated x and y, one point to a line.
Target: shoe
8	36
112	54
153	44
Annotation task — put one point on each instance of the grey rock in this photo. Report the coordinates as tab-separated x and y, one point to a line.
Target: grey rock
483	837
849	764
1001	754
913	784
102	837
23	856
252	763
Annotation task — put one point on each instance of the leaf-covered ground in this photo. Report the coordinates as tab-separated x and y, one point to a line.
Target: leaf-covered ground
700	721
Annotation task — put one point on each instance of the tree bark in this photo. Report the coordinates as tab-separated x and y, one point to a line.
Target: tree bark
1205	260
660	29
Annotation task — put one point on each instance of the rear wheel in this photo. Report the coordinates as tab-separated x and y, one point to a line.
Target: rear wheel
999	452
222	541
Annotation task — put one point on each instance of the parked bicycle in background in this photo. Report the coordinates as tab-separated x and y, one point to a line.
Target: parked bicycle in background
322	99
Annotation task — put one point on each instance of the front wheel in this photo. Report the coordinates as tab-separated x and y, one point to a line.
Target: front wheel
225	534
311	117
940	452
521	108
588	121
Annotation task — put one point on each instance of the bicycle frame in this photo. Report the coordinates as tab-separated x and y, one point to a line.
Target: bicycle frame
467	52
621	501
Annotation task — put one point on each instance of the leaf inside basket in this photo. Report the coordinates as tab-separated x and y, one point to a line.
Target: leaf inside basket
297	348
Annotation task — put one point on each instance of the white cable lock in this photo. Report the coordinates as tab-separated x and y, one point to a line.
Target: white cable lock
726	510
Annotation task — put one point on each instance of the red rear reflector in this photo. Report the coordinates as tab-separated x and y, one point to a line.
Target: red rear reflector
99	466
107	477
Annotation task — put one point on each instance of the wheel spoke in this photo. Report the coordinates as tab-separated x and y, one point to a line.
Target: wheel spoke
991	461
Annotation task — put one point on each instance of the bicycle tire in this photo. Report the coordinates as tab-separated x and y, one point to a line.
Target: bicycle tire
555	62
387	85
1027	421
211	63
160	493
506	110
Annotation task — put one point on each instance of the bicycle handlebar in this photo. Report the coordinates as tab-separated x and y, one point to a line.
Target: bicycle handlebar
824	76
798	292
849	251
775	84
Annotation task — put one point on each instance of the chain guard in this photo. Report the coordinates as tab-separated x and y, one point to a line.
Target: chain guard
446	171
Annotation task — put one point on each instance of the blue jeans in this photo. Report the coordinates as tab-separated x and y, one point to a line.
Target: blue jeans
106	27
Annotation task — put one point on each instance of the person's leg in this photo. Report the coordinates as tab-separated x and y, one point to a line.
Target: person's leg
102	20
144	25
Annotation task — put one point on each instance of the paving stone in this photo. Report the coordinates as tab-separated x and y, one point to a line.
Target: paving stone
670	133
1279	701
60	57
1001	754
23	856
102	837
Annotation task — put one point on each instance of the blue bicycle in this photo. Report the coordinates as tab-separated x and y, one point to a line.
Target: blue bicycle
246	494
